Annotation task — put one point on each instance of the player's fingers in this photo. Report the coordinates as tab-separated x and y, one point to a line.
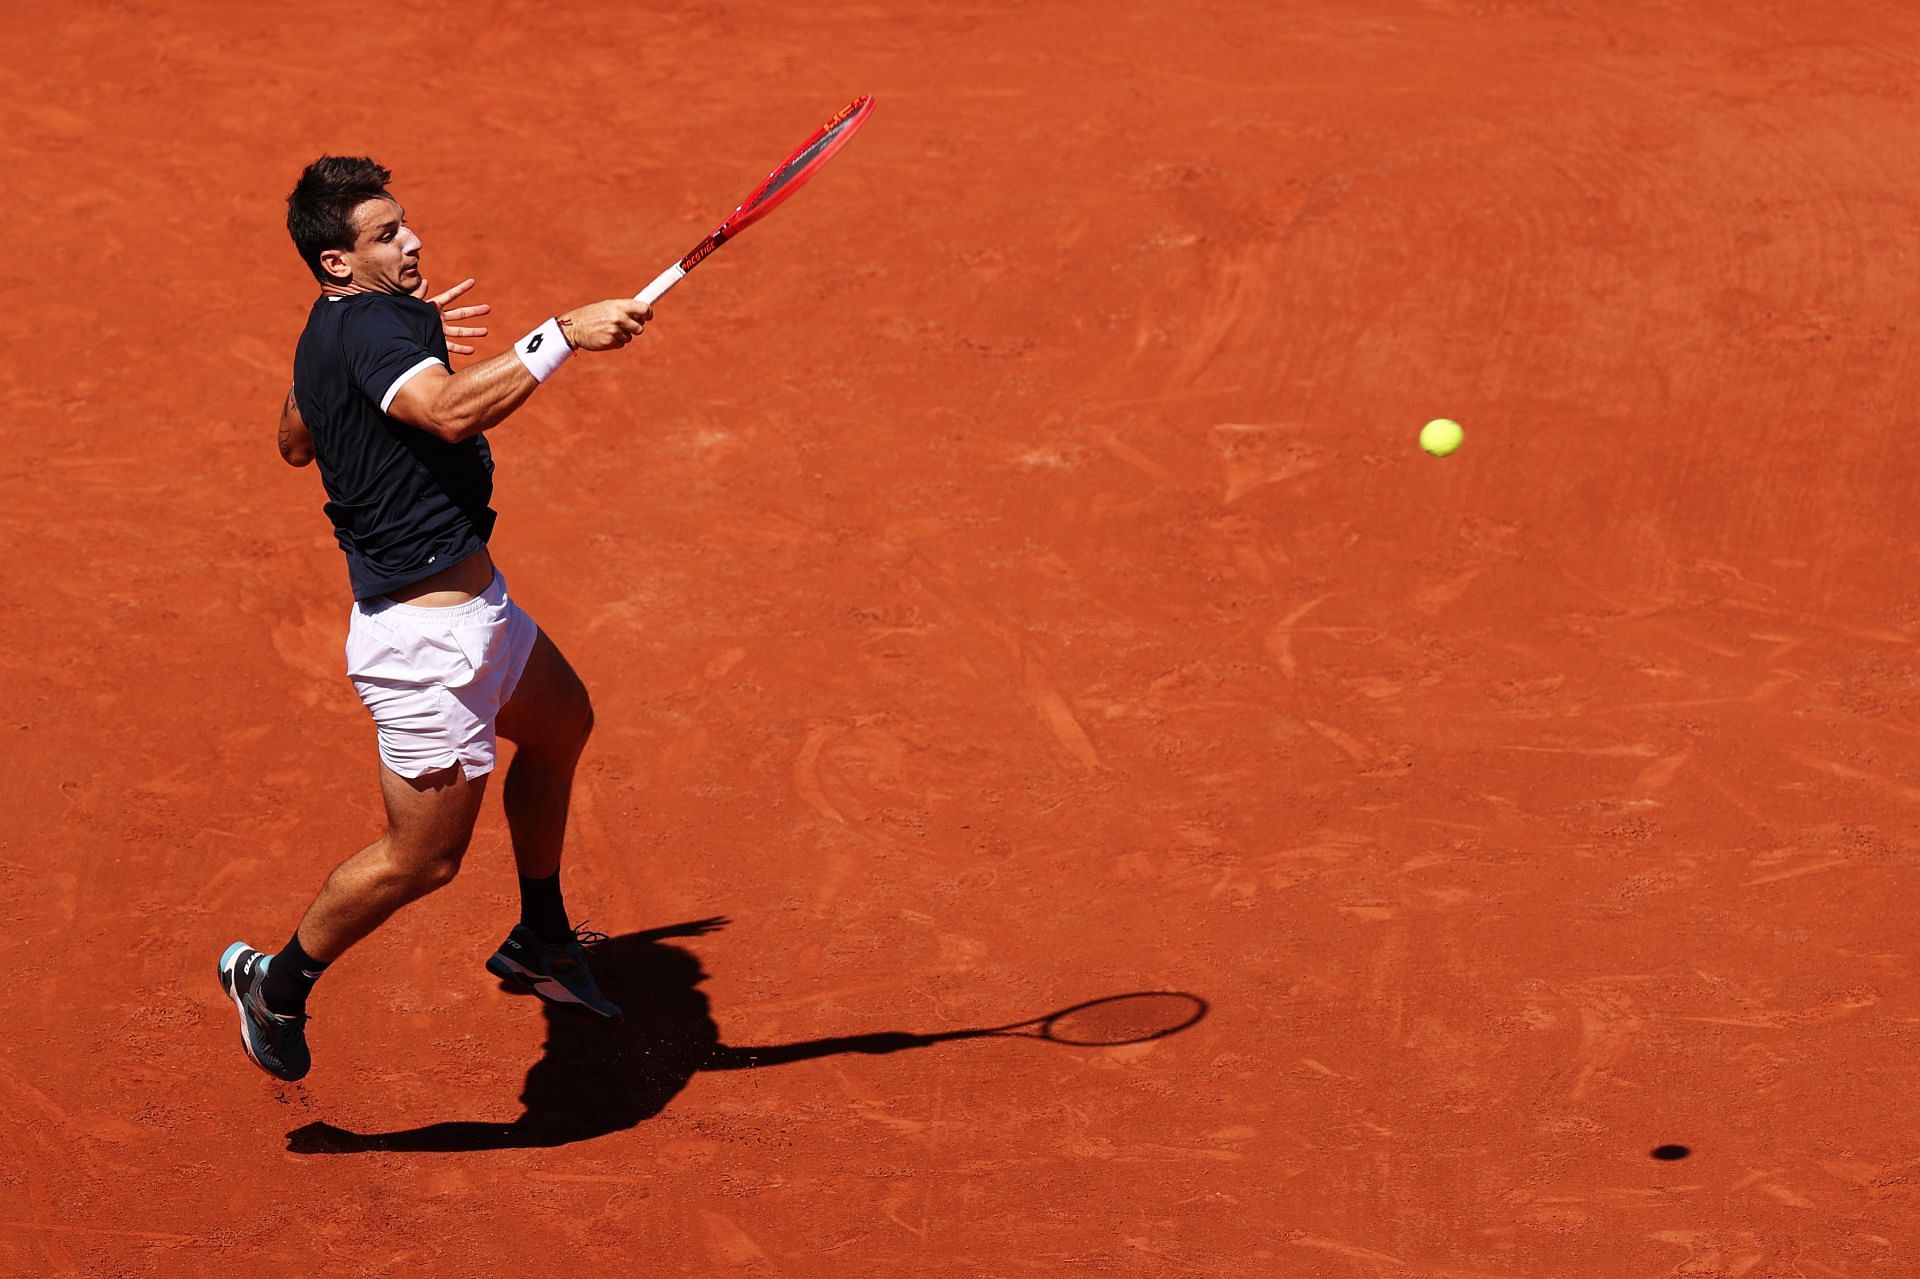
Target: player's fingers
463	331
638	310
467	312
457	348
452	293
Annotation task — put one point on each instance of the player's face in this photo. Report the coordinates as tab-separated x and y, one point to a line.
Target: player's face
385	257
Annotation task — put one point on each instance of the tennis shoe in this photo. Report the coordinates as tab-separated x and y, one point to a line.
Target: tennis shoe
558	974
276	1042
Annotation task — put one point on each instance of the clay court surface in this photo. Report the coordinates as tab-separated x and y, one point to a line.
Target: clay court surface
1007	578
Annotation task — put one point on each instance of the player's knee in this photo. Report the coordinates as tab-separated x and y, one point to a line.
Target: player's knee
440	870
432	865
572	721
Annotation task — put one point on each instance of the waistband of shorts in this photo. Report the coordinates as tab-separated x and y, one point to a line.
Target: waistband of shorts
492	597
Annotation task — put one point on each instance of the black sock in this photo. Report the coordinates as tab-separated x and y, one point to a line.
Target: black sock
542	910
290	978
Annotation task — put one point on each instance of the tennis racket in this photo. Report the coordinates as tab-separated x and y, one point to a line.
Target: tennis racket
780	184
1102	1023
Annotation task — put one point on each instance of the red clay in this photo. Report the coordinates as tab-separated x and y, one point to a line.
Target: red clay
1007	577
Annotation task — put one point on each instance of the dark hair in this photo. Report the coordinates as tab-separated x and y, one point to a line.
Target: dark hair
320	208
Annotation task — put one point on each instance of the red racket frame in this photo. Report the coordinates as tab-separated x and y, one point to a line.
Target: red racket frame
792	173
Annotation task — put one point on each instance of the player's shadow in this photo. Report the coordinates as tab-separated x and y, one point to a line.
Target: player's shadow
599	1077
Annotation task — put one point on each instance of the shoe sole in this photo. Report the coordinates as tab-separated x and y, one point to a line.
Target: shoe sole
540	984
231	984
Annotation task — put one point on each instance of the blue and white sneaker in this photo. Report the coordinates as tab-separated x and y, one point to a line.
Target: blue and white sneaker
276	1043
558	974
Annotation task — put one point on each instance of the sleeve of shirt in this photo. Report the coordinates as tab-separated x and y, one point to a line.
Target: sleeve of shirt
382	354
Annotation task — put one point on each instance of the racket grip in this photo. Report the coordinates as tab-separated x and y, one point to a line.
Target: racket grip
661	283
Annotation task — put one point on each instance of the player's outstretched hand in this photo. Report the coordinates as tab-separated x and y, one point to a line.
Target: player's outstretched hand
450	315
605	326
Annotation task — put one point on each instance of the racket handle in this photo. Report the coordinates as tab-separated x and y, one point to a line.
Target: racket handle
661	283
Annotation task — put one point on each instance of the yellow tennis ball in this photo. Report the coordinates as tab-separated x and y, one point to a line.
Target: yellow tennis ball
1441	436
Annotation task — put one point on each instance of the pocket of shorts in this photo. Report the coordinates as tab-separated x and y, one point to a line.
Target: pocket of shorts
369	652
474	641
394	655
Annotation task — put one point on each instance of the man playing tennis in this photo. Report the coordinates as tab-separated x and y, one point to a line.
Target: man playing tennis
440	654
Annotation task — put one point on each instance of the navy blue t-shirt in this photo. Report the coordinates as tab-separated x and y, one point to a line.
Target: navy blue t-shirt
404	504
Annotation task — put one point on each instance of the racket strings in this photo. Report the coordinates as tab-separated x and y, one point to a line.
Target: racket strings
798	165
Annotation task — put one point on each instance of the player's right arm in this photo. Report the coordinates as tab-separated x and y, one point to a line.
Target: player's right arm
459	406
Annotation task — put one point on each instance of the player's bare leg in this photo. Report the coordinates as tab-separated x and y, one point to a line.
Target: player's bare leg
429	823
548	719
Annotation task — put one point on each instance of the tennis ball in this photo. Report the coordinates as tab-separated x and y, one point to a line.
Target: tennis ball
1441	436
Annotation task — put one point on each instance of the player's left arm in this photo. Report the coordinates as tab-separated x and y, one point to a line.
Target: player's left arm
296	445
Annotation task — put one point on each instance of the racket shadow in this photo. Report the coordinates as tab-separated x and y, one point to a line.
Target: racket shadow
596	1078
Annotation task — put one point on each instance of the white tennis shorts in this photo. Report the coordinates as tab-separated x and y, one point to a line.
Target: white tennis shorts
435	678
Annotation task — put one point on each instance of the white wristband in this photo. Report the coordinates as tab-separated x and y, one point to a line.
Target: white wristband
543	350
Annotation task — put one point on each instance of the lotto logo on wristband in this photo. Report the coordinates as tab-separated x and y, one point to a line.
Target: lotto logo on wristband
543	350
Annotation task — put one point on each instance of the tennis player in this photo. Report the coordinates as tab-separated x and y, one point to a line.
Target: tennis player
443	658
